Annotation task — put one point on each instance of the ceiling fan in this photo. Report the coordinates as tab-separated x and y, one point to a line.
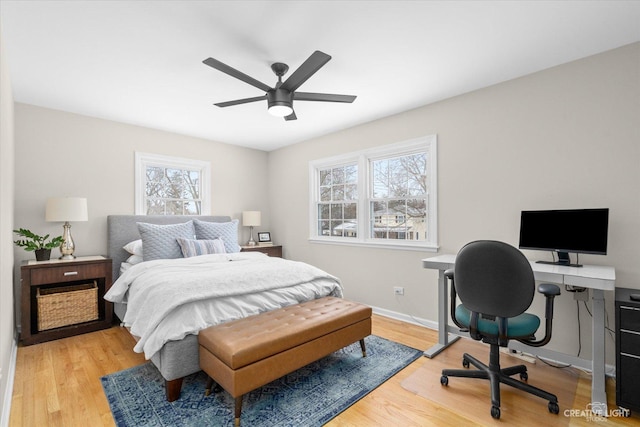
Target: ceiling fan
280	98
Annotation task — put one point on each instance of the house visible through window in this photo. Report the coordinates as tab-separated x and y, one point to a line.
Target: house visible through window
399	197
382	196
171	185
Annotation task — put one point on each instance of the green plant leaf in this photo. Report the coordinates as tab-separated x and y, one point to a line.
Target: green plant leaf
34	241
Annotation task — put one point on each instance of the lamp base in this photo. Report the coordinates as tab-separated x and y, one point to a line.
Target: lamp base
251	242
68	247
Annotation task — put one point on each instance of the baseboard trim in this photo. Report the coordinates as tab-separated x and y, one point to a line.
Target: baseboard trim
8	392
610	370
406	318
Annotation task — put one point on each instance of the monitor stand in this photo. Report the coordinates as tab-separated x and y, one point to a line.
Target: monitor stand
563	259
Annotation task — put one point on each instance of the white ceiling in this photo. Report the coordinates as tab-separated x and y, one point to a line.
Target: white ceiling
140	62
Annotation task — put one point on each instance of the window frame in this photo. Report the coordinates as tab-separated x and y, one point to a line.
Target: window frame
144	160
363	160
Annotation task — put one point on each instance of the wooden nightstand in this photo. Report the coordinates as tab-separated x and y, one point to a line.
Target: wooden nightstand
271	250
70	296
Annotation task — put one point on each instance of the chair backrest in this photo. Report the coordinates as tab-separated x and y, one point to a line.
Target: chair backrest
494	278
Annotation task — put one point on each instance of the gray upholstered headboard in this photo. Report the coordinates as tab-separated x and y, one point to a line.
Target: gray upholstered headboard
122	229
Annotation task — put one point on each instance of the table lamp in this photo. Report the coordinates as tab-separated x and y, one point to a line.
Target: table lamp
66	209
251	219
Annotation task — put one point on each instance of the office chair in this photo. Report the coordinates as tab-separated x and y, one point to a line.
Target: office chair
495	284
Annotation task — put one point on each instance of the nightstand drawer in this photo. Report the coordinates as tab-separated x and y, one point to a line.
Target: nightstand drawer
44	276
271	250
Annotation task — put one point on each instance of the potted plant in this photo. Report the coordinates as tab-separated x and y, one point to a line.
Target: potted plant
36	243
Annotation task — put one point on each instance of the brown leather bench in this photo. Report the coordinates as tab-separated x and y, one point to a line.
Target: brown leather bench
248	353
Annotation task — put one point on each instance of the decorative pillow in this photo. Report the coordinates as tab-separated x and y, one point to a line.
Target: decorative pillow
159	241
192	247
227	231
134	248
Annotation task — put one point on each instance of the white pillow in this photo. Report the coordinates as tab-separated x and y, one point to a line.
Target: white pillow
134	259
134	248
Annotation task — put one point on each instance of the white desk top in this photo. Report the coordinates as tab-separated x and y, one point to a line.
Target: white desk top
588	276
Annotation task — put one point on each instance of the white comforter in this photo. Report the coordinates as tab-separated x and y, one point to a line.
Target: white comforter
170	299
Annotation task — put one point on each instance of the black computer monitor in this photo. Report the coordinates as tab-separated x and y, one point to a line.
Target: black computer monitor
564	231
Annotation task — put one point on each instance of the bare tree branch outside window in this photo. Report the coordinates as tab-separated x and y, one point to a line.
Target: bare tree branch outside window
171	191
399	197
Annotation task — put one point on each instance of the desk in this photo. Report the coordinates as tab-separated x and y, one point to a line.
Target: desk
597	278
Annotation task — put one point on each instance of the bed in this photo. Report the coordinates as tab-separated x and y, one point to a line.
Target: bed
172	346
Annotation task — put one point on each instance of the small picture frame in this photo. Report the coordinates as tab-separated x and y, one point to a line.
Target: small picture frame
264	237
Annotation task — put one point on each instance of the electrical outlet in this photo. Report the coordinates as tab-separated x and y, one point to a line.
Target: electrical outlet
398	290
581	295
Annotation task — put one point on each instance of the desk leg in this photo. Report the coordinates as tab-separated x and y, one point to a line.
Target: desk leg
444	338
598	391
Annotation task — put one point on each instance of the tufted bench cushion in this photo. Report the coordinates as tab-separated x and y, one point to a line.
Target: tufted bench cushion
248	353
245	341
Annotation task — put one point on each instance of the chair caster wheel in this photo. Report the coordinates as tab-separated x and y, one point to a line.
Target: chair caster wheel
524	376
444	380
465	363
554	408
495	412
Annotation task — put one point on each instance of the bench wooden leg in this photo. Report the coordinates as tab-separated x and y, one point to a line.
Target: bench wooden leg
211	386
238	410
364	350
208	386
172	389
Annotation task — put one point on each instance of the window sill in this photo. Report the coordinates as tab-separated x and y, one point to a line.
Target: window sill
379	245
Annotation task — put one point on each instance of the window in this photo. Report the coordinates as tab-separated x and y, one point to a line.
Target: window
171	185
383	196
338	207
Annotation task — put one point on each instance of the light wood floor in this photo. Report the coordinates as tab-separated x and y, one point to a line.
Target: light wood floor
57	384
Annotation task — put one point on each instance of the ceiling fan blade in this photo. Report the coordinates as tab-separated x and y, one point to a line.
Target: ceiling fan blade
306	70
235	73
325	97
291	116
241	101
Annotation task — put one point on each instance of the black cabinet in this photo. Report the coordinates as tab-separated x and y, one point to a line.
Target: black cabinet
627	349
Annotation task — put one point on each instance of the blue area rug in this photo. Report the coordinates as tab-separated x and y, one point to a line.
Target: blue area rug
311	396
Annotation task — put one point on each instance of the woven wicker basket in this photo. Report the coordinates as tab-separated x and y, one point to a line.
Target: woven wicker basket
67	305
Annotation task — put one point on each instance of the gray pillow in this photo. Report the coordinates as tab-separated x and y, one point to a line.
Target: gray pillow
227	231
159	241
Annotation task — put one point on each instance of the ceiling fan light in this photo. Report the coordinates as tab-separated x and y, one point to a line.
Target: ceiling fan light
280	110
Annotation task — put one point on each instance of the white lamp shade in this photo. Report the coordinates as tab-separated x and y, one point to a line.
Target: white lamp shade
66	209
251	218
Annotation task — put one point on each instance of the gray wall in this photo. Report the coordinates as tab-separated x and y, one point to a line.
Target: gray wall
64	154
566	137
7	342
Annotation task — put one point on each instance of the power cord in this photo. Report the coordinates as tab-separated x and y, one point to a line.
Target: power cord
606	321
